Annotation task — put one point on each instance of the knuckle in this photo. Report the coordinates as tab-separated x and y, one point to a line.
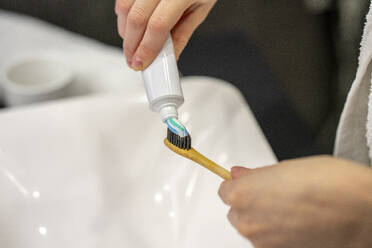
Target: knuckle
122	7
137	17
158	25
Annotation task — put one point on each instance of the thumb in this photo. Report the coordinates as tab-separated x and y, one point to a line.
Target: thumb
238	171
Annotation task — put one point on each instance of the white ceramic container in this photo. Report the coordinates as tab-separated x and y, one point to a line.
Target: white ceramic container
35	79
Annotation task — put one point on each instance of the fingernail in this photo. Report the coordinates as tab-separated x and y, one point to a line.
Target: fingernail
137	64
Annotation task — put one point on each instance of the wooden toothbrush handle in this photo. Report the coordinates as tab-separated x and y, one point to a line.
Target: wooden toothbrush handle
195	156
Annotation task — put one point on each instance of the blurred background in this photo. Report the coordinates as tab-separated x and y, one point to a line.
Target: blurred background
293	60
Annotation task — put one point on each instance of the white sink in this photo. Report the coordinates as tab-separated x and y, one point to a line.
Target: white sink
93	171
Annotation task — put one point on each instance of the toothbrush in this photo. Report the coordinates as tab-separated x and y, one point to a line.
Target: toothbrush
179	141
165	96
195	156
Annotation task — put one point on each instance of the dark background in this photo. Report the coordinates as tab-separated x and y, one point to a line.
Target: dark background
293	60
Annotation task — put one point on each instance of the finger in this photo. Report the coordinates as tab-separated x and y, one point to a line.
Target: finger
165	16
121	22
122	8
233	217
185	27
226	192
238	192
138	17
238	171
245	224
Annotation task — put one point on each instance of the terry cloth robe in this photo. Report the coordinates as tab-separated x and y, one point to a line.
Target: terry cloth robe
354	133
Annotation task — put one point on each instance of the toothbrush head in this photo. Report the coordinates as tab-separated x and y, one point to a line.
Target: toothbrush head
181	142
178	135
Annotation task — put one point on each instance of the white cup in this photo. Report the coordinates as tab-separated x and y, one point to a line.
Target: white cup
33	80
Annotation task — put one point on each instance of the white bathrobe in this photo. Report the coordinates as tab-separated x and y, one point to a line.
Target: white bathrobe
354	134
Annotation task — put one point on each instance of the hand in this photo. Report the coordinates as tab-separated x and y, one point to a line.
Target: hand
145	25
311	202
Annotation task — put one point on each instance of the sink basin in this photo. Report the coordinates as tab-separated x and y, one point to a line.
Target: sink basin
93	171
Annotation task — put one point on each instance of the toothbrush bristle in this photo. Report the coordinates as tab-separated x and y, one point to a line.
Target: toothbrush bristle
181	142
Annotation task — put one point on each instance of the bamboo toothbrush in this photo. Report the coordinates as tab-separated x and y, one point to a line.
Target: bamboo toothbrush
179	141
164	94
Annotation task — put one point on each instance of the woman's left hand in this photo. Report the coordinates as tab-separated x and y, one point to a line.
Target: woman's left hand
312	202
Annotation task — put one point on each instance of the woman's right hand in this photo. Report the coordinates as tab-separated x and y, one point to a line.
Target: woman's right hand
145	25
